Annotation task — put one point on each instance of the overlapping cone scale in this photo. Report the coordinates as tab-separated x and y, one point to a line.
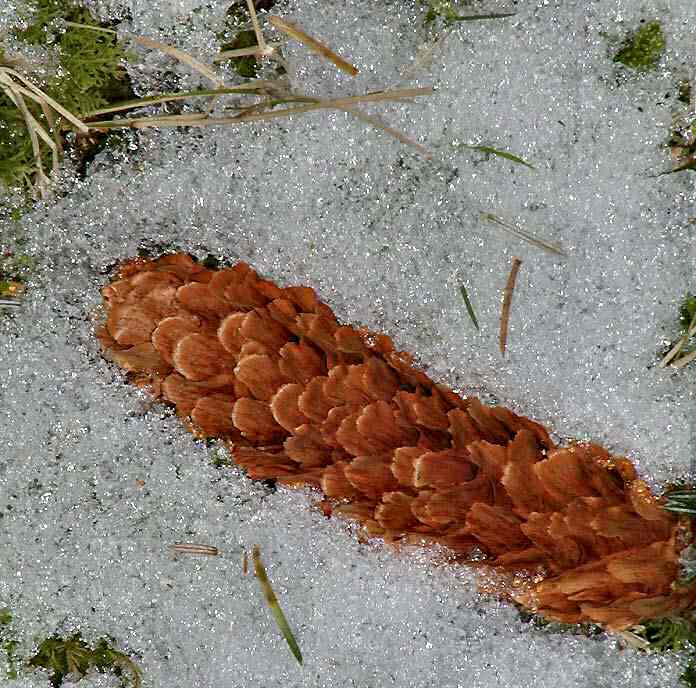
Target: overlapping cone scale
303	400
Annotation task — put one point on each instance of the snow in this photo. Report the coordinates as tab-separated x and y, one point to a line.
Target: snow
386	237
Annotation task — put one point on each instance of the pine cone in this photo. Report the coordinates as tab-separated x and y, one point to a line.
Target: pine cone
303	400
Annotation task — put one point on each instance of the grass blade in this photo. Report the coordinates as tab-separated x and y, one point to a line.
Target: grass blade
469	306
243	89
183	57
272	601
313	44
476	17
502	154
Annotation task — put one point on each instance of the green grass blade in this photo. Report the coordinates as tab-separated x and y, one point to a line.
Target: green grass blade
272	601
469	306
502	154
476	17
167	97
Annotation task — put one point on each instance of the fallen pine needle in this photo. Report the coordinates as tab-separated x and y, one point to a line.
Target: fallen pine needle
469	306
313	44
523	234
272	601
194	548
507	303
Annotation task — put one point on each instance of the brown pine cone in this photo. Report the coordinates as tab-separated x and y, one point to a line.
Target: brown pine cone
306	401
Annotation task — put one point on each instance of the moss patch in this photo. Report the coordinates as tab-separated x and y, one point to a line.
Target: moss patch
643	49
91	76
63	656
8	644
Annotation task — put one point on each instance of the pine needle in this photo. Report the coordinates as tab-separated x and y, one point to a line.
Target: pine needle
272	601
313	44
469	306
523	234
507	303
195	548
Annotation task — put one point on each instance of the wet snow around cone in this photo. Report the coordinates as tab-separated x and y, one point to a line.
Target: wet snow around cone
95	483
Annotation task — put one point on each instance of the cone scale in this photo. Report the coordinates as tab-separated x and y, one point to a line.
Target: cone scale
303	400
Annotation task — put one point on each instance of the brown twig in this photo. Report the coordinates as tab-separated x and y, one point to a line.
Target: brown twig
507	303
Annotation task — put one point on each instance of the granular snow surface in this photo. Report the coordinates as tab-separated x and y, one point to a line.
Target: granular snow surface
96	483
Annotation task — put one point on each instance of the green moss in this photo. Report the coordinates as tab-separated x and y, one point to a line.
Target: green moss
91	76
63	656
14	271
643	49
246	66
8	644
687	311
672	634
220	459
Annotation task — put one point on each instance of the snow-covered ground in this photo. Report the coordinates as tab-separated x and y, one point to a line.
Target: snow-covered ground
95	483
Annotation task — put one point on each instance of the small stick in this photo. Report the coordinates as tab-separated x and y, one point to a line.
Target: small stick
245	563
507	302
272	601
313	44
194	548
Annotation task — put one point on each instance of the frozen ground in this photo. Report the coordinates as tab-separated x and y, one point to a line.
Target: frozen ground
386	238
